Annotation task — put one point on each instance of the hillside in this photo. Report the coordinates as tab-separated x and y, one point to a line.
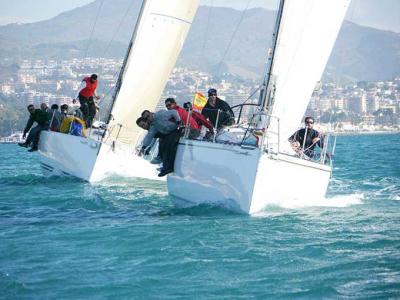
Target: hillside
12	115
361	53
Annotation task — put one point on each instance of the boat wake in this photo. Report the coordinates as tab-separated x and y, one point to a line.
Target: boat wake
334	201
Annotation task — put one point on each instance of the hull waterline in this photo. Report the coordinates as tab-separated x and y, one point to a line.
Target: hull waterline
85	158
242	179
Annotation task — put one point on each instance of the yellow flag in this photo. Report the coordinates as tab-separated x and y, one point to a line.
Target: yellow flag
199	101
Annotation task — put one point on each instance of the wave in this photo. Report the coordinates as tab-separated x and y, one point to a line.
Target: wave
334	201
36	179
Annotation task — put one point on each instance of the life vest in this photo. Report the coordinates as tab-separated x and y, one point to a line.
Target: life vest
78	126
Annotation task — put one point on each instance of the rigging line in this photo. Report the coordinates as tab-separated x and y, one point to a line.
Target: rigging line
112	88
114	79
205	38
90	38
93	27
118	27
122	70
252	94
233	36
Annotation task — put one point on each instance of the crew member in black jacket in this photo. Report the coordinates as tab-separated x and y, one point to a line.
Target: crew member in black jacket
42	119
307	137
215	104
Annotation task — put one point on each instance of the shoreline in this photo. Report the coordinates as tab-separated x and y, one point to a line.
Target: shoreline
366	132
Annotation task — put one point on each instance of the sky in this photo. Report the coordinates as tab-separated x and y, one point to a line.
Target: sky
28	11
382	14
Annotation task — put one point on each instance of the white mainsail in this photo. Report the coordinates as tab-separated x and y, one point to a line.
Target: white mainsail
157	40
156	43
307	33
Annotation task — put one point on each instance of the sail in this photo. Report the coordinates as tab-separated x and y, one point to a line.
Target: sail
307	33
159	36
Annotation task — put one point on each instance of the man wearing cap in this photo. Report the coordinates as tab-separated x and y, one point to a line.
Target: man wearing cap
88	107
217	108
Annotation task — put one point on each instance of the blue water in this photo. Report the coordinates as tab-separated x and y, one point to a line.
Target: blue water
66	239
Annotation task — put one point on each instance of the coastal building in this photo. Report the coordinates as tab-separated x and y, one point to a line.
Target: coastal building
51	81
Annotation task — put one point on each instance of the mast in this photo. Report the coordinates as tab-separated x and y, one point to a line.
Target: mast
122	70
265	100
147	65
306	36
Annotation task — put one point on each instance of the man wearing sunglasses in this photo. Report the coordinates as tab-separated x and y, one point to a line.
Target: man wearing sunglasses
42	119
304	140
217	110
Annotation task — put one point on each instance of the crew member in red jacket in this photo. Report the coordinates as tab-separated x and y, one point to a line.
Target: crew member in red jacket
88	107
198	117
194	132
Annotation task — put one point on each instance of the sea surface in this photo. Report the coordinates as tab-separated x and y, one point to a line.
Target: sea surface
61	238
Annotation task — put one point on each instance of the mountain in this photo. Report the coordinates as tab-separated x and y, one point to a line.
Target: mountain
361	53
364	53
383	14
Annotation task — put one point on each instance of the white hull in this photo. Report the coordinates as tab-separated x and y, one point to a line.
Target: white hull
242	179
63	154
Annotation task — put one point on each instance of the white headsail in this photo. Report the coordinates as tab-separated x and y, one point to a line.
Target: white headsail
155	46
306	36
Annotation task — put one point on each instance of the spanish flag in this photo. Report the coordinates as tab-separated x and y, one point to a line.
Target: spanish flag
199	101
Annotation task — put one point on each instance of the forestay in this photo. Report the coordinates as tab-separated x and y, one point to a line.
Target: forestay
306	36
158	38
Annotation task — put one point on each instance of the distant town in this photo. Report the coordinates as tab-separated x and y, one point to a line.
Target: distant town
361	107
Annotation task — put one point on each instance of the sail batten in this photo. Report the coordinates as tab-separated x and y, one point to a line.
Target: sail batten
159	36
306	36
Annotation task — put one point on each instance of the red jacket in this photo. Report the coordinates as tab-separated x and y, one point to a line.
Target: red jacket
201	120
183	114
89	89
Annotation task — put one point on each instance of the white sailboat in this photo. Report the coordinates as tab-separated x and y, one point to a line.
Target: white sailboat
245	177
157	39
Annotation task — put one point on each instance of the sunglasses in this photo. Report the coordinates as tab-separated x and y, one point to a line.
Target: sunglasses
308	122
213	95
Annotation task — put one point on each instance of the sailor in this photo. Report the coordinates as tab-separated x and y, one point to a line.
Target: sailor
64	111
198	117
216	106
88	106
55	118
163	125
304	140
42	119
194	128
156	159
44	107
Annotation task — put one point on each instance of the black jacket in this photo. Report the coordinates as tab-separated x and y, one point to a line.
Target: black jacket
299	136
226	116
39	116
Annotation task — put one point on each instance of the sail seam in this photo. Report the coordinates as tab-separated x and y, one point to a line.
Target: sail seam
171	17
